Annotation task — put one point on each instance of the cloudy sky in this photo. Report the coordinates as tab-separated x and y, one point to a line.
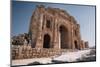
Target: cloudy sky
85	16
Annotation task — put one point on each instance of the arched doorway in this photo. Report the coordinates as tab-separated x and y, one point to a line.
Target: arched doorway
76	45
63	37
46	43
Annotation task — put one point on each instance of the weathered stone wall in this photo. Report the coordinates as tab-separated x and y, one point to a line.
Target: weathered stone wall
26	52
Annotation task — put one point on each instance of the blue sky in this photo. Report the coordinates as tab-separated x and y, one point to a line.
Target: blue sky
85	16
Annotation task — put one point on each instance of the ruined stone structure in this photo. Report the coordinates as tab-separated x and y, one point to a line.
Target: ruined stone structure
54	28
21	39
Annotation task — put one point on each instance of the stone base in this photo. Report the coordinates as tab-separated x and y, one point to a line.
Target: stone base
34	53
26	52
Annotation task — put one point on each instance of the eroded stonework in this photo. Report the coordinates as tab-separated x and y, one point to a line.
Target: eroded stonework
54	28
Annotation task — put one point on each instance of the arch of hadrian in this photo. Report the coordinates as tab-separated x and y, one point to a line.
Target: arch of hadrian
54	28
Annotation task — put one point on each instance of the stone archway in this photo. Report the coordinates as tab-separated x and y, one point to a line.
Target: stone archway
46	41
76	44
63	36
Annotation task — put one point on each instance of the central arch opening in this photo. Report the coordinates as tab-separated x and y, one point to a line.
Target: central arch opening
63	37
46	43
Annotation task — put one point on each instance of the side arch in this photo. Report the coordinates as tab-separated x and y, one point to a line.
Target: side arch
46	41
76	44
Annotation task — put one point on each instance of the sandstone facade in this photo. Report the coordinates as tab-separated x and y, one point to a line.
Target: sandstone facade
54	28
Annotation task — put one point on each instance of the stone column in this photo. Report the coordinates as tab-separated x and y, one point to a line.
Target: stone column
59	39
72	44
39	40
56	38
79	35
